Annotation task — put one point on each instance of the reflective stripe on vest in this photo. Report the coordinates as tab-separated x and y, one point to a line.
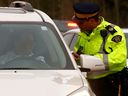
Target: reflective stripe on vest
102	49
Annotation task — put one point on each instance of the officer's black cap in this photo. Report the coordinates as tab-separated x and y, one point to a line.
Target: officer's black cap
86	8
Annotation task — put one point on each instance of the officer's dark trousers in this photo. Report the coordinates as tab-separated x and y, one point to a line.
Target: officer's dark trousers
109	86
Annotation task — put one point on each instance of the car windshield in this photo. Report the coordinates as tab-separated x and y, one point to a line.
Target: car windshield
31	46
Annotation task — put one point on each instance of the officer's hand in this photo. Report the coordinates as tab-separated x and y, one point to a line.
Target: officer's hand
76	56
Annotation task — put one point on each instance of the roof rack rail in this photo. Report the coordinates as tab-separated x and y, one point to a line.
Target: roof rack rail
22	4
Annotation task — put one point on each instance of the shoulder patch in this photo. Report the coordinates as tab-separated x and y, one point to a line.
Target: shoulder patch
117	38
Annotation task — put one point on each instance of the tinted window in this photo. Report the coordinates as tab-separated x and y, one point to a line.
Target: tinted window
36	46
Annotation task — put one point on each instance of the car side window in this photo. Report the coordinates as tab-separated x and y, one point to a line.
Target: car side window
70	39
73	42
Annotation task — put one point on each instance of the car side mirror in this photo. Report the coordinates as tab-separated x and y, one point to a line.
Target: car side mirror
91	63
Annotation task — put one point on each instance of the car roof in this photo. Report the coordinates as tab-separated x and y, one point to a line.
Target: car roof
22	11
18	14
19	11
125	30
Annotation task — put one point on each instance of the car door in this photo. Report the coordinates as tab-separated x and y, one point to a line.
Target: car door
125	30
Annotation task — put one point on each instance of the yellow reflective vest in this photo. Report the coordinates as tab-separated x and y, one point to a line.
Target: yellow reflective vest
111	48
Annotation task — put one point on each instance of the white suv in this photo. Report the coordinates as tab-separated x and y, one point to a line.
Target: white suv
34	59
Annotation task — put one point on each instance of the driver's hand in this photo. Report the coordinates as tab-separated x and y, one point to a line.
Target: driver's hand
76	56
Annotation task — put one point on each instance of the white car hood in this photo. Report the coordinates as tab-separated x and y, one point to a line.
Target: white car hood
39	83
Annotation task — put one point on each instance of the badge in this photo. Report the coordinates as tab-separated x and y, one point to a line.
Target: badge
117	38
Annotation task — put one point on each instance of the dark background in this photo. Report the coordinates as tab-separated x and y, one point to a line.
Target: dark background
114	11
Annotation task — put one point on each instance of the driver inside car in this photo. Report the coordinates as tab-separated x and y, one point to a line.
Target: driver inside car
23	46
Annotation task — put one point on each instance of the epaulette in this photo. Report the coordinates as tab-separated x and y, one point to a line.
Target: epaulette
111	29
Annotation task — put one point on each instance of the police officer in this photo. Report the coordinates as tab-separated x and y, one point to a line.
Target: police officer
104	40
